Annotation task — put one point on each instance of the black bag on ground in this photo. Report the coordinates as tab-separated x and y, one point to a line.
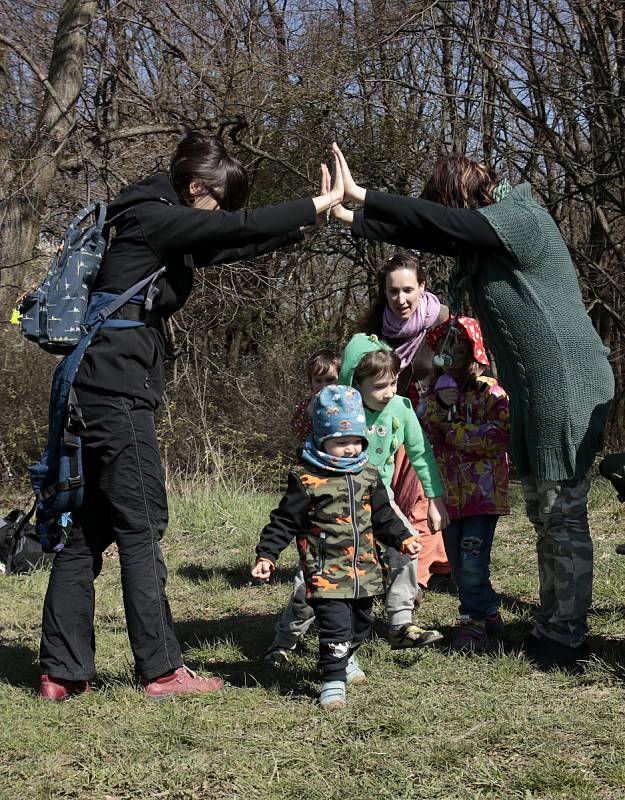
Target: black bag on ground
20	550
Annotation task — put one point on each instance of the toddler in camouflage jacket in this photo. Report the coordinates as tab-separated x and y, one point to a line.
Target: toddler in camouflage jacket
335	506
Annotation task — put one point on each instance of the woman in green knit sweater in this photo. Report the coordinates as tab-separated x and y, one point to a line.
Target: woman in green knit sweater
512	261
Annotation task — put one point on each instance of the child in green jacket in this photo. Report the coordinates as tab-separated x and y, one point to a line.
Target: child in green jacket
373	368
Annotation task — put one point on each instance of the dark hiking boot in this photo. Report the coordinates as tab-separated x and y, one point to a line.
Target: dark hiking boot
531	644
552	655
494	626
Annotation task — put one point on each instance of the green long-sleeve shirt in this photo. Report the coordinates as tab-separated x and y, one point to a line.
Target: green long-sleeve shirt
387	430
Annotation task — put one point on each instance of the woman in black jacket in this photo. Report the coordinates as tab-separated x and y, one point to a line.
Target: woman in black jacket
183	219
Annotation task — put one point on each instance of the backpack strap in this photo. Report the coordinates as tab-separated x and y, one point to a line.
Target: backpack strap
103	314
70	439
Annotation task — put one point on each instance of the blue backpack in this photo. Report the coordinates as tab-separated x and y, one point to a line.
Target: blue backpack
62	315
52	315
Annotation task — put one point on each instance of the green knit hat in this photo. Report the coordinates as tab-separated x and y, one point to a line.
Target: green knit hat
359	345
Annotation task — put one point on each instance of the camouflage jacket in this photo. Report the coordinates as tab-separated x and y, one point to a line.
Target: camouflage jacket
334	518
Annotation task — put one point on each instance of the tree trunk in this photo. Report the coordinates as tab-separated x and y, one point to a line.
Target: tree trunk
25	191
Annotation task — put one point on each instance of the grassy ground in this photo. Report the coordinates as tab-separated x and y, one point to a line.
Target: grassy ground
427	724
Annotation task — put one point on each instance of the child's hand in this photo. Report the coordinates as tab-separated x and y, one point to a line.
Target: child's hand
411	547
438	518
262	570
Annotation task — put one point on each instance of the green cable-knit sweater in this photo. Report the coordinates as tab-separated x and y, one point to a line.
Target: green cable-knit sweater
549	356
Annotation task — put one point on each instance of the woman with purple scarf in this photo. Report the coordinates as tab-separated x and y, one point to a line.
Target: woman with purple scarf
401	315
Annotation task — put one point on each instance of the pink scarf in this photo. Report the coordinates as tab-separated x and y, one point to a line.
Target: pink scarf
412	331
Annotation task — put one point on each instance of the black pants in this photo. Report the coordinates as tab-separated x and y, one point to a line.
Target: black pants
343	626
125	503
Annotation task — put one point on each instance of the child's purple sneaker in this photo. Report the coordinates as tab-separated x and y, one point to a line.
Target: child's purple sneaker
472	636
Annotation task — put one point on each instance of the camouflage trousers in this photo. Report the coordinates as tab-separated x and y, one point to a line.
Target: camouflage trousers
559	513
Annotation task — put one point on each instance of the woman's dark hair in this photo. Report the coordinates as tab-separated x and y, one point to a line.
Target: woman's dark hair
371	322
205	159
376	364
460	182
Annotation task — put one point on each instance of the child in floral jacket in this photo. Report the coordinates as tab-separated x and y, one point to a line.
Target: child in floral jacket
467	419
335	504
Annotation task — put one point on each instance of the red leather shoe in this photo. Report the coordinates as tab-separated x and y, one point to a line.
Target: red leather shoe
182	681
57	689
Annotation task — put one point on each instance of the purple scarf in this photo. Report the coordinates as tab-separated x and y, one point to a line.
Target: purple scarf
411	331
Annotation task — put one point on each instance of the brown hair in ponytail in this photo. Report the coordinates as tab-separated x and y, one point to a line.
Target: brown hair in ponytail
460	182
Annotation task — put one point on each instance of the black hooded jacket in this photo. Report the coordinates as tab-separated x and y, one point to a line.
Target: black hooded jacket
156	230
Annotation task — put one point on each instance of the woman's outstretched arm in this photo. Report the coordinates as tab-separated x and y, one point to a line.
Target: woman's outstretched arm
412	222
175	230
220	255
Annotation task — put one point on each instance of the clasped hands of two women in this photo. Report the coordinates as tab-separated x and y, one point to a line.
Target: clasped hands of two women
332	194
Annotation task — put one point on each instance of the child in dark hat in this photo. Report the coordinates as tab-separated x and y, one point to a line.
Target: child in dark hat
335	504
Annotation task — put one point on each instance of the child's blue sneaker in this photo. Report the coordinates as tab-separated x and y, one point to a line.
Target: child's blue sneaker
332	695
353	672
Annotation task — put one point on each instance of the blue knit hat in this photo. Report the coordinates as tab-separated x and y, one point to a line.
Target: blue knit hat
338	412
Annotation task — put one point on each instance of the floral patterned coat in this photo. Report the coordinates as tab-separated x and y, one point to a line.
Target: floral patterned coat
470	446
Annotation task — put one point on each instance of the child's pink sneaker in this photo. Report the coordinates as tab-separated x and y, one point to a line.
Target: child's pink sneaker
472	636
181	681
57	689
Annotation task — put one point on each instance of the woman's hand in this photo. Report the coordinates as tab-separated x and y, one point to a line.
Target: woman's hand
334	196
438	518
351	189
262	570
343	215
325	187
